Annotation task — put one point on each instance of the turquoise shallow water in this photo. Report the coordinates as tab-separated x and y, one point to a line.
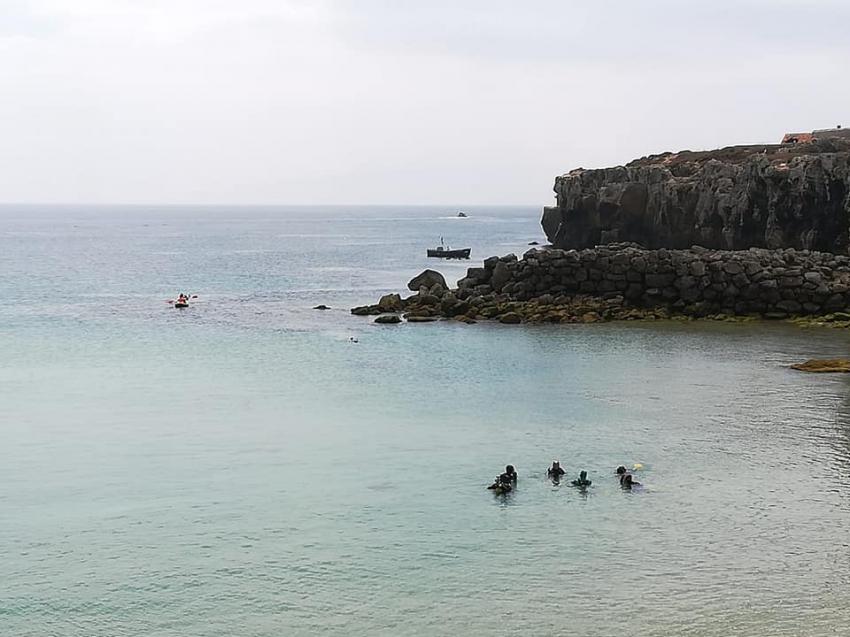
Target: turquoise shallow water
240	468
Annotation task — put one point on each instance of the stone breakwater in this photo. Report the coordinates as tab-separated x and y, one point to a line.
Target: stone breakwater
622	281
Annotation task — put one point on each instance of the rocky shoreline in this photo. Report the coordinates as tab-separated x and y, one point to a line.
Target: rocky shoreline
628	282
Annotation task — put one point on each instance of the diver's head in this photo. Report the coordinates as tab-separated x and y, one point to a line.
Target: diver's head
621	470
509	469
556	464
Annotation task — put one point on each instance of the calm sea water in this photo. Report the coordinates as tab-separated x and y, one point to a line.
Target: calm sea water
241	468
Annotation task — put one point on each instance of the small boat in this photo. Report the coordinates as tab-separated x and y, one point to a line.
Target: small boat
447	253
181	304
444	252
462	215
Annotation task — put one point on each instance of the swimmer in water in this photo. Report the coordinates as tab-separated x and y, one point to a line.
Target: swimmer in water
509	476
621	471
500	486
582	480
555	471
628	482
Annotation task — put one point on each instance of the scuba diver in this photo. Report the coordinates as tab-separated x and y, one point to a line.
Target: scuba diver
555	471
628	482
582	481
509	476
621	471
505	482
500	487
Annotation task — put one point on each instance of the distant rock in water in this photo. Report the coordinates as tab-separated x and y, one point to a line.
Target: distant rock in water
768	196
321	307
827	365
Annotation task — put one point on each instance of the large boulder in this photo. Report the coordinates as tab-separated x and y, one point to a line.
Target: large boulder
390	303
501	275
388	319
427	279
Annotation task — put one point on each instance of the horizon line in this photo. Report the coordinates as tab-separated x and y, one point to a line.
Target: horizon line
264	205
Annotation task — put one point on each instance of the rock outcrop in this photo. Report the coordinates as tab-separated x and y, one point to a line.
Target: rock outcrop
427	279
824	366
770	196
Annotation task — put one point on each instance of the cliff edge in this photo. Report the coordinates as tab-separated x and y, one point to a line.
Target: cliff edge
766	196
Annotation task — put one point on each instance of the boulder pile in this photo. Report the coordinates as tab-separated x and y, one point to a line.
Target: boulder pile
627	282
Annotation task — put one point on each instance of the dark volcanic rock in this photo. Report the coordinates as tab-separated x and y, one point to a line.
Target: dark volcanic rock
390	303
428	279
795	196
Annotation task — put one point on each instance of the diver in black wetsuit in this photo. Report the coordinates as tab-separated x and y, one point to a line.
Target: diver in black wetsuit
506	481
555	471
628	482
582	480
509	476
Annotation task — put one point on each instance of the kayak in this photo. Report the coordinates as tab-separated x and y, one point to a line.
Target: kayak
181	305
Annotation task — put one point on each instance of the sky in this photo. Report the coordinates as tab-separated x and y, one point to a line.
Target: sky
393	101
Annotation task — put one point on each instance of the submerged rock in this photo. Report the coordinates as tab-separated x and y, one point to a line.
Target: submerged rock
365	310
388	319
321	307
825	365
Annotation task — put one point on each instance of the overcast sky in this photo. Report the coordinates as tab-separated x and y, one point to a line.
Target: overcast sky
393	101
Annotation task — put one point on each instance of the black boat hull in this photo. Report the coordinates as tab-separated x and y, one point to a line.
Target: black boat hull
450	254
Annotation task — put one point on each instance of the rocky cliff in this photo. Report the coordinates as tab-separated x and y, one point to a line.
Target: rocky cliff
772	196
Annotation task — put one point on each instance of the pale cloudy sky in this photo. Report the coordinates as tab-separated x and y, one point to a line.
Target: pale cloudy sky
393	101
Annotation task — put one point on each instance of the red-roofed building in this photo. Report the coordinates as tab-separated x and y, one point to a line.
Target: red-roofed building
823	133
797	138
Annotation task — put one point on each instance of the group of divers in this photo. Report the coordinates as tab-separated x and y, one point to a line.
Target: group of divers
506	482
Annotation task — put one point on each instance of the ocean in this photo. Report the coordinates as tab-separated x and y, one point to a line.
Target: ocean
241	467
